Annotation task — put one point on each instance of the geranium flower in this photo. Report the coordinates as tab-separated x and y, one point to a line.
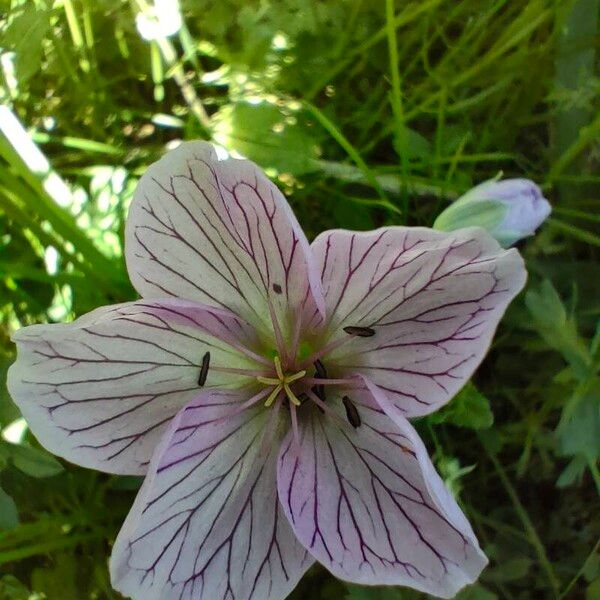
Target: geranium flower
263	385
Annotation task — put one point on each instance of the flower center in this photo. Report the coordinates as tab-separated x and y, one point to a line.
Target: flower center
281	383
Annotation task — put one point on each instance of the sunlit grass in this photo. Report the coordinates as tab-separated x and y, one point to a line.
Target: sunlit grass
366	114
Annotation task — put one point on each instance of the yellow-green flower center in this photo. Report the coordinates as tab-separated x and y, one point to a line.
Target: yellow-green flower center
281	383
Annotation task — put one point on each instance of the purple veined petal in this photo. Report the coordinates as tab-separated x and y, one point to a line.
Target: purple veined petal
207	523
101	390
368	504
219	232
433	299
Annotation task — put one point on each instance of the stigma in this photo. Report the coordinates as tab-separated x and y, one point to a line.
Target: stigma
281	383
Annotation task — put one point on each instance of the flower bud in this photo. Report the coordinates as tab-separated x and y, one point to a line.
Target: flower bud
510	210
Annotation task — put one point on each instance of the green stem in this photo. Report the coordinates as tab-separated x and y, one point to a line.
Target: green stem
534	538
580	572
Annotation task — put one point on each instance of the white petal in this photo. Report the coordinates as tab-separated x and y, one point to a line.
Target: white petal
100	391
368	504
433	300
219	232
207	524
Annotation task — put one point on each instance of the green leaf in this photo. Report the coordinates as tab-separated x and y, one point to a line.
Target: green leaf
410	143
12	589
58	580
593	590
556	328
510	569
8	411
378	593
24	35
475	592
34	462
580	435
263	134
573	472
9	515
591	567
469	408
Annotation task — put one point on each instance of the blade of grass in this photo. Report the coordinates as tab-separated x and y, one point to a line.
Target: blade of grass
396	101
534	538
341	139
572	230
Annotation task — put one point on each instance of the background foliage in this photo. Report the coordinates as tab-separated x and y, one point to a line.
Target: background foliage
366	113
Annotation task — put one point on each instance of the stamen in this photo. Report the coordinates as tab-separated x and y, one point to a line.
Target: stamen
204	369
321	382
269	433
325	409
291	396
295	344
295	430
351	412
330	347
320	369
243	406
359	331
248	372
276	328
319	390
274	394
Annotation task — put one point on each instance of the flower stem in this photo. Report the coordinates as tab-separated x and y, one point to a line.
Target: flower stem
534	538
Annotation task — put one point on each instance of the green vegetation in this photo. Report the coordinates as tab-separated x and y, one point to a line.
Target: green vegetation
365	113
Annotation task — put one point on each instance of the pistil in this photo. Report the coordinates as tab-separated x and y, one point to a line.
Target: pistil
281	383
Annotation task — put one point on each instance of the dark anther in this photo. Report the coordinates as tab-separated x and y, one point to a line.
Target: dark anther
351	412
321	373
360	331
319	391
277	288
204	369
302	396
320	369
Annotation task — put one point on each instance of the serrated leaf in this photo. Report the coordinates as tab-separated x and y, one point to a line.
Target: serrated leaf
580	435
469	408
556	328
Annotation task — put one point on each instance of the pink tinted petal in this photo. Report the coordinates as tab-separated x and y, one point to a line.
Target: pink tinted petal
434	300
206	523
368	504
100	391
219	232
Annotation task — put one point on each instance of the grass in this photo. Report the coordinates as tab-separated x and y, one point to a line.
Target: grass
365	114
